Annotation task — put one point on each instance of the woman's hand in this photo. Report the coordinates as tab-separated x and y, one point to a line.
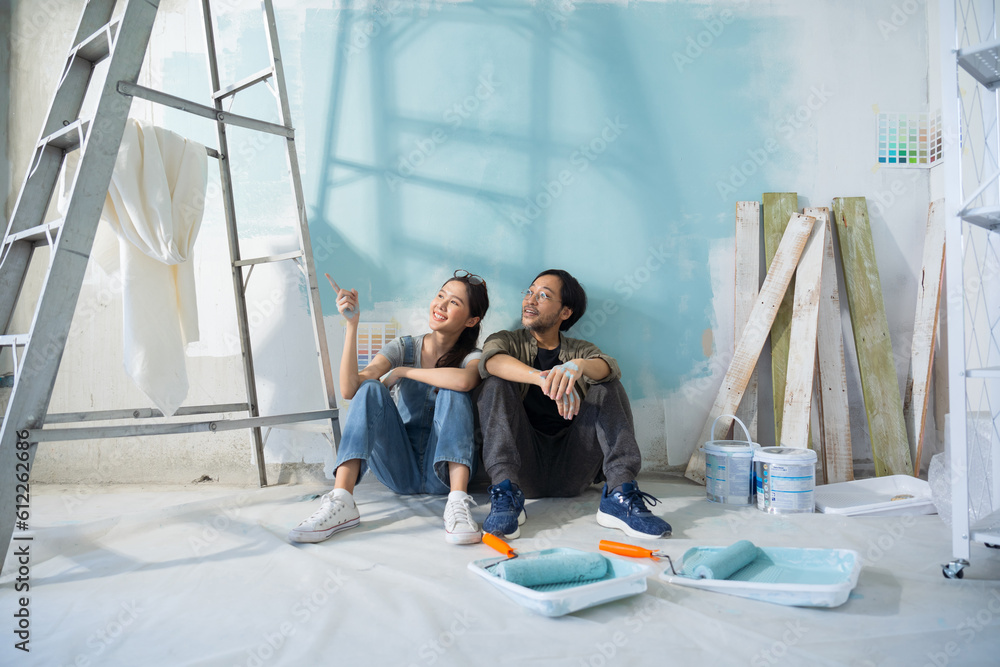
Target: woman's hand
394	376
347	304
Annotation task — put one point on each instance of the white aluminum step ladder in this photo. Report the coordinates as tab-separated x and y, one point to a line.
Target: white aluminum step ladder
122	41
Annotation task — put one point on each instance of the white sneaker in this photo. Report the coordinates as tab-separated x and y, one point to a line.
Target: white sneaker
337	512
458	524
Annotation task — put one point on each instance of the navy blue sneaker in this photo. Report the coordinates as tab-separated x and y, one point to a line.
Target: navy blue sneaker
506	510
626	510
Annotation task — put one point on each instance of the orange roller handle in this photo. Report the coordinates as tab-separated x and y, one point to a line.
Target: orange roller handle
623	549
492	540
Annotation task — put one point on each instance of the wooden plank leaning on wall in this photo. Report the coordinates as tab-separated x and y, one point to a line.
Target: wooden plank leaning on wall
883	403
747	288
924	331
750	344
834	413
778	207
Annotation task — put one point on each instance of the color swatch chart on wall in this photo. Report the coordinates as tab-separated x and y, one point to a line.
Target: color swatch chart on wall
909	139
372	337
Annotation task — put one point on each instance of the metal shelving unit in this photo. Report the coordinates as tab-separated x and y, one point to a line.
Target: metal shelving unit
970	77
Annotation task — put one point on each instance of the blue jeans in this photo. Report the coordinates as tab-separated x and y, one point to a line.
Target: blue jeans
408	445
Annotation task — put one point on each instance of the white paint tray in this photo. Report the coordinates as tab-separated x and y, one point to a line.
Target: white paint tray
622	580
785	575
874	497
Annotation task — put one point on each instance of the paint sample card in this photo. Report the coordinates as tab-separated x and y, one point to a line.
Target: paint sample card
909	139
372	337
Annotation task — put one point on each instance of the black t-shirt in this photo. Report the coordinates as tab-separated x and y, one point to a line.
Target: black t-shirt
541	410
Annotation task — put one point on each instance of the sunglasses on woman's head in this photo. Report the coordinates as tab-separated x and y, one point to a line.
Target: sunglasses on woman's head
471	277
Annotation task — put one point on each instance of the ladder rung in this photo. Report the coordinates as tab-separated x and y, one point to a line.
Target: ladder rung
213	426
35	233
69	137
262	75
10	340
97	47
158	97
141	413
269	258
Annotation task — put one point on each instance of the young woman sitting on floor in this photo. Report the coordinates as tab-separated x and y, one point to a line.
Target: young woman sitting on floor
418	438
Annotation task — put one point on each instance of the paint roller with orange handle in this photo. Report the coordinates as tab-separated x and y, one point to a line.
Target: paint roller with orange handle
546	567
633	551
491	540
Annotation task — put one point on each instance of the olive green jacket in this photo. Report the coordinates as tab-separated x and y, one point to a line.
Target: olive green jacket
521	345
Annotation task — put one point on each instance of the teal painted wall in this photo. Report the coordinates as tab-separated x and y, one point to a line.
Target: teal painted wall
507	139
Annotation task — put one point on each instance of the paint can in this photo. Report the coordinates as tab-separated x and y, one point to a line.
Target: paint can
729	468
786	479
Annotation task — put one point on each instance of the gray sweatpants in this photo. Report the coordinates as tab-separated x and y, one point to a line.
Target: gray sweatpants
600	439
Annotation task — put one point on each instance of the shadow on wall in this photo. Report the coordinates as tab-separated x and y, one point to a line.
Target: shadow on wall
508	139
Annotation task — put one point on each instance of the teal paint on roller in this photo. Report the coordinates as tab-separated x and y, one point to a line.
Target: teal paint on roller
721	564
547	569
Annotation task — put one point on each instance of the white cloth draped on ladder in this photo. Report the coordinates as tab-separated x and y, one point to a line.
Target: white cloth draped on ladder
155	204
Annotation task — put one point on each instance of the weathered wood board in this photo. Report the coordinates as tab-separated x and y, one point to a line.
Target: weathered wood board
883	402
747	289
778	207
834	413
797	402
751	342
924	331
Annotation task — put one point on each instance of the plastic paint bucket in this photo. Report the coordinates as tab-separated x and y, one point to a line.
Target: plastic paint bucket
786	479
729	468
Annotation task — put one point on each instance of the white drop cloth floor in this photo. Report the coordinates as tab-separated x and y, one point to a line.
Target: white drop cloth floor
203	575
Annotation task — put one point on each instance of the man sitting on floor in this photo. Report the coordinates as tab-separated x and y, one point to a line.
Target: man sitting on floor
555	417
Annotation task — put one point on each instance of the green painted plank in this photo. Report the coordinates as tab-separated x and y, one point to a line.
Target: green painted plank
883	403
778	209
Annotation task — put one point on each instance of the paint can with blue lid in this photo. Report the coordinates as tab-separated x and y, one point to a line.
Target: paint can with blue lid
729	468
786	480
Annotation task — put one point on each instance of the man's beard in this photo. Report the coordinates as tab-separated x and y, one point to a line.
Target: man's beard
541	323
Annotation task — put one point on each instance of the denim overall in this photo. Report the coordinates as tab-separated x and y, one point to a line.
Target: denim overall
408	443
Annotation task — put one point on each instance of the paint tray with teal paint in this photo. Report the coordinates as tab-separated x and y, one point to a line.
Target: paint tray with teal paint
623	579
782	575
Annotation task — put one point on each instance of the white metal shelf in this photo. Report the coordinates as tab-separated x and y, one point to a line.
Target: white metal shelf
983	63
991	373
987	529
972	169
987	217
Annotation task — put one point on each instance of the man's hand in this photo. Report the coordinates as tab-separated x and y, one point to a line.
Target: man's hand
559	384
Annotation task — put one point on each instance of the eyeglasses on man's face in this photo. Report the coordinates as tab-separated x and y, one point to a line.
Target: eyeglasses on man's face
538	295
